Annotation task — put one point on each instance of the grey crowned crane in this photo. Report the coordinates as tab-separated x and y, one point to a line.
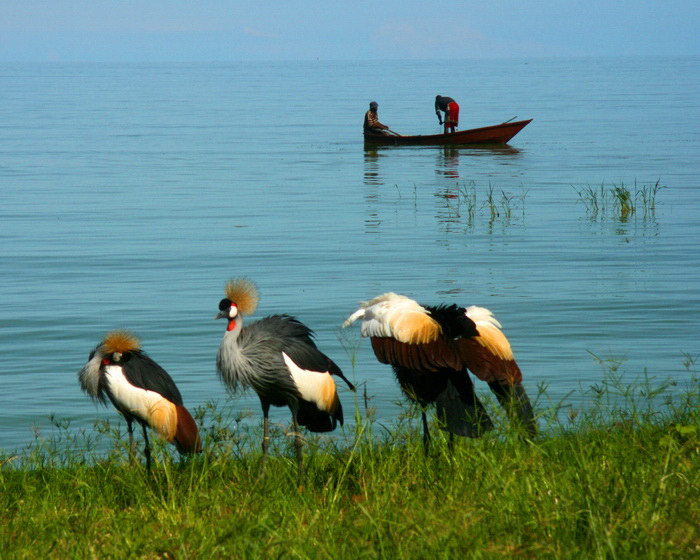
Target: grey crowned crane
431	349
119	371
277	357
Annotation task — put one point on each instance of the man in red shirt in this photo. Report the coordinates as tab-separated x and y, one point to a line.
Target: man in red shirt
451	109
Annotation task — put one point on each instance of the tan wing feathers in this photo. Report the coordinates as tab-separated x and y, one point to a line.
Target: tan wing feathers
491	338
489	355
332	401
487	365
162	417
397	316
415	327
329	395
175	425
404	334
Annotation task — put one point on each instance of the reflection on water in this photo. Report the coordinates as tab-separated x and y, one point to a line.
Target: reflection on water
447	158
493	150
461	204
373	180
470	150
448	162
372	166
450	209
465	205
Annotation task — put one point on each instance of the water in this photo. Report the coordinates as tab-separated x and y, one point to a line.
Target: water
130	193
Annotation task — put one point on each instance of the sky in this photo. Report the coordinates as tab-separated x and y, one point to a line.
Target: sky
218	30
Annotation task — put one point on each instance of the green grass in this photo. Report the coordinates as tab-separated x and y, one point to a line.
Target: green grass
619	477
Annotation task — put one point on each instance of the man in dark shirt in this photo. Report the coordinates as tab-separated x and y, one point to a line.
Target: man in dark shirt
451	109
372	124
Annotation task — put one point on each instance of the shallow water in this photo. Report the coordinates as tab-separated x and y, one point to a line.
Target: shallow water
130	193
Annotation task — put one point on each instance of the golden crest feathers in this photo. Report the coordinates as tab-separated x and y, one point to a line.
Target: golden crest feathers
243	293
120	341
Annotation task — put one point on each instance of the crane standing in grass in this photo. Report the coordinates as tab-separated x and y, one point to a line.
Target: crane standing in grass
277	357
140	390
431	349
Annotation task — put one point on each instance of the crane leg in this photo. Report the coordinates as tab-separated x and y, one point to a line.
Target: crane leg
147	450
297	444
132	445
426	432
266	432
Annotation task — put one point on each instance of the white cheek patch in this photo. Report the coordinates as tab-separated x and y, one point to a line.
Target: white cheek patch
314	386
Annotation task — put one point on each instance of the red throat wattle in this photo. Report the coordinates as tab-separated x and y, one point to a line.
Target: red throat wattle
231	324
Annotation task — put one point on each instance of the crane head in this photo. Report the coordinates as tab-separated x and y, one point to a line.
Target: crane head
118	345
241	297
227	310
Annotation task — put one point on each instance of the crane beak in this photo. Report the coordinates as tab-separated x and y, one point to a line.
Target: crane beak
221	315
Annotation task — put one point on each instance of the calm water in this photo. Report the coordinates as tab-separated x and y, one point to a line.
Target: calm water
129	194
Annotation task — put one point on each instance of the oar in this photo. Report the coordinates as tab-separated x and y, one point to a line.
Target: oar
394	133
510	119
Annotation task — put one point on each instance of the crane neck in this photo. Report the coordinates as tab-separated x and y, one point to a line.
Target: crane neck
234	325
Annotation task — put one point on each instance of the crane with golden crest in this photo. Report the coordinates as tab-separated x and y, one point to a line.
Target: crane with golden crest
432	348
277	357
118	370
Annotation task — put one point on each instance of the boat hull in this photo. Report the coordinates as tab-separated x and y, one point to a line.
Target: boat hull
495	134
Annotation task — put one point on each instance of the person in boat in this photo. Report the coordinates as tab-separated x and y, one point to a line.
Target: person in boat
451	109
372	124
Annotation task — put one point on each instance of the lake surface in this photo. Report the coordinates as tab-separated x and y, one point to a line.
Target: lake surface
131	193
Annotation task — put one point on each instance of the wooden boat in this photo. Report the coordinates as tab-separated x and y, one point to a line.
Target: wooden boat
495	134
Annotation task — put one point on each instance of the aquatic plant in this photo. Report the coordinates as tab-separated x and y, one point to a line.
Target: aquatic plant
647	196
491	203
470	202
623	201
468	196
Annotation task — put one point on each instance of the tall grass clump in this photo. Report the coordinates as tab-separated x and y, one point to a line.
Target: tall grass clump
620	201
616	478
494	204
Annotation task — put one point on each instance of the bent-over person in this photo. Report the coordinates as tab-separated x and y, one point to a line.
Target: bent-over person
451	109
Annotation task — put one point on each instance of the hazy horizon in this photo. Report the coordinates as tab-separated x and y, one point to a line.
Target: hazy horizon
219	31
